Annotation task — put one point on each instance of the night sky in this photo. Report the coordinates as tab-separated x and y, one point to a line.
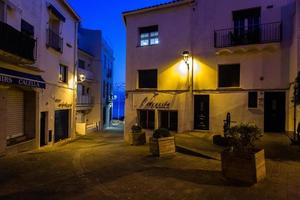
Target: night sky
107	16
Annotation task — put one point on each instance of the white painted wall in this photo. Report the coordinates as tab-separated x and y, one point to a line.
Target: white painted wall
192	28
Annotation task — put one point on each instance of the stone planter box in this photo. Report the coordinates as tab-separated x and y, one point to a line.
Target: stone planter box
137	138
247	168
163	146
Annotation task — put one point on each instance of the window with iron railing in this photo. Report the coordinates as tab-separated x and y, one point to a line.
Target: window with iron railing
17	43
256	34
54	40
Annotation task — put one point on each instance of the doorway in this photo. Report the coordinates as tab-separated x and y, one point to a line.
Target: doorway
61	125
274	112
43	131
201	112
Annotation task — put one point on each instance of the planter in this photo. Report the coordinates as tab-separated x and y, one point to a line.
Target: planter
248	168
137	138
163	146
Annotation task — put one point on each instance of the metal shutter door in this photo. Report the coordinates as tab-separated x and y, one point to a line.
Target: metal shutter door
15	113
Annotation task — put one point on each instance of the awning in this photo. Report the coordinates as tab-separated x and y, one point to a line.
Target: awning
8	76
56	13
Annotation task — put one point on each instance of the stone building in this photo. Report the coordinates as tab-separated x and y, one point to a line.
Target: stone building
189	63
38	52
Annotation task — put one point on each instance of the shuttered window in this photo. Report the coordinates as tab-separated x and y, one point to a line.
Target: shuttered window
2	11
148	78
229	75
15	114
27	28
252	100
146	119
169	120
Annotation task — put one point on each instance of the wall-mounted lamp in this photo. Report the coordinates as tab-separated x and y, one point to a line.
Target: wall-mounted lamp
186	55
82	77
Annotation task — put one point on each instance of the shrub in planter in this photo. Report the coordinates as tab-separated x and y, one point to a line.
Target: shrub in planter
242	161
162	143
137	136
219	140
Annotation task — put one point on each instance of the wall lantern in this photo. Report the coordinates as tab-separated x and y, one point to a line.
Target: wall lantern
186	55
82	77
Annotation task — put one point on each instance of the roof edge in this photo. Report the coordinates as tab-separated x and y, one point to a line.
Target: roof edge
71	10
156	7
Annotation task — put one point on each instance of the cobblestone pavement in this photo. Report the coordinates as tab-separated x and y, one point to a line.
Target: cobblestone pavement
102	166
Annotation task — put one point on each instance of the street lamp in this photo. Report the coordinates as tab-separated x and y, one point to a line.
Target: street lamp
186	55
82	77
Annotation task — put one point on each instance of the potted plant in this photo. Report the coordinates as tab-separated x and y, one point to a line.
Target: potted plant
137	136
162	143
242	161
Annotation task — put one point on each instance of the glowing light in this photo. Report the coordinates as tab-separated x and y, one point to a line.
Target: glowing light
82	77
182	68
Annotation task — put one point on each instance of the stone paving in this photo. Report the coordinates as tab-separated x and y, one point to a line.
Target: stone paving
102	166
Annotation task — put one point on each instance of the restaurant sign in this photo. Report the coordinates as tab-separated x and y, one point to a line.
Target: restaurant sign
22	79
152	104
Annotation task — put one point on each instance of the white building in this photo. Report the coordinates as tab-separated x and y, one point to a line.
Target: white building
95	62
242	60
38	52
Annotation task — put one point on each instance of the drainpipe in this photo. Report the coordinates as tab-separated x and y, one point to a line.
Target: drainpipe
75	78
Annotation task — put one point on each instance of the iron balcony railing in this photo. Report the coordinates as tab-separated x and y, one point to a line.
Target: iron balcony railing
54	40
256	34
85	100
17	43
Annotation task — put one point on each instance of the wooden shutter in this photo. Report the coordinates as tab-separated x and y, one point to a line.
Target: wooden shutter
15	113
2	11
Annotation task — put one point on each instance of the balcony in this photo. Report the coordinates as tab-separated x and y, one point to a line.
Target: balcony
85	101
257	34
16	46
54	40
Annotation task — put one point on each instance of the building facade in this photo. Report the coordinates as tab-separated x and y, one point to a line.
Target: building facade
95	62
38	54
107	61
89	104
190	63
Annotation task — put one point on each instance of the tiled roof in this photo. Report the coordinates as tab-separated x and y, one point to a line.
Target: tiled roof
156	6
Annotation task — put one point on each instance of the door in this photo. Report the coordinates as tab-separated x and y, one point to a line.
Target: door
61	125
201	112
43	129
274	112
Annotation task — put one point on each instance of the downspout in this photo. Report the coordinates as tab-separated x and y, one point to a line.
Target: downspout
192	53
75	79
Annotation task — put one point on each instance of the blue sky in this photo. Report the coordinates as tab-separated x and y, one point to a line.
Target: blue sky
107	16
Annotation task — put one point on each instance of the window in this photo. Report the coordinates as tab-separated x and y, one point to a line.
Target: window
169	120
81	64
252	100
2	11
63	73
148	78
246	25
54	39
146	119
27	28
148	36
229	75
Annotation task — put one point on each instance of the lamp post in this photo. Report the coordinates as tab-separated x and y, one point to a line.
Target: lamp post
186	55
